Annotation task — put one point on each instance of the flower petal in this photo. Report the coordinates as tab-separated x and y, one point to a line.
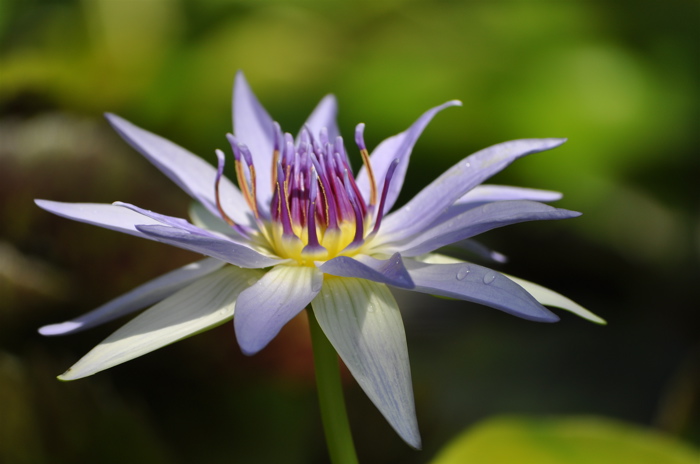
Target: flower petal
481	250
204	219
201	305
167	220
551	298
482	194
397	147
324	115
434	199
489	192
216	247
190	172
264	308
254	128
389	271
478	220
138	298
98	214
363	323
467	281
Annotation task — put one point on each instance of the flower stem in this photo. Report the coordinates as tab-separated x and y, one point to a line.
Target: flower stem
330	397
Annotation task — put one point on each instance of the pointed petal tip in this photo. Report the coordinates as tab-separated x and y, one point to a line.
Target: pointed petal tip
568	214
549	318
68	376
114	120
249	350
415	443
555	142
240	81
61	328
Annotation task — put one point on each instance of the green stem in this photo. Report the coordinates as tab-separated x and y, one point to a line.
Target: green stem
330	397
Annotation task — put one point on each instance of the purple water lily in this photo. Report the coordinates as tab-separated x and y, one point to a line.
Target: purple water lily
300	229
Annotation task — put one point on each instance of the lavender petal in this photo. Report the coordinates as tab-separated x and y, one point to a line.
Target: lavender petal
397	147
467	281
216	247
420	212
191	173
390	271
264	308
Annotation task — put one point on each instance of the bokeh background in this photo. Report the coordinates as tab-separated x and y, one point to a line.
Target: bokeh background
620	79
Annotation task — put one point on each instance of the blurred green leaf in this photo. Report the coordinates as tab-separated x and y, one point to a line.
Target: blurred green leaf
578	440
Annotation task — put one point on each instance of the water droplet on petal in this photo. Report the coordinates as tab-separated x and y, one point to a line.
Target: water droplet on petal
462	273
467	165
370	308
489	277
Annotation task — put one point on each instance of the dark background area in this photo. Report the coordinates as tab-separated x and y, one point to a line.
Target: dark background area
619	79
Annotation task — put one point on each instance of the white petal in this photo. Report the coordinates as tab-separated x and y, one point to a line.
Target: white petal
363	323
201	305
144	295
549	297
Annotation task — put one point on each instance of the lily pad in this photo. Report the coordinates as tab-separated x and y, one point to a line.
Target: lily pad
577	440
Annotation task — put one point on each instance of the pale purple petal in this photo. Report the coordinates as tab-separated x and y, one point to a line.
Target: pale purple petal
482	194
363	323
481	250
219	228
203	218
264	308
489	192
478	220
253	127
202	305
467	281
397	147
168	220
386	271
98	214
324	115
217	247
190	172
433	200
138	298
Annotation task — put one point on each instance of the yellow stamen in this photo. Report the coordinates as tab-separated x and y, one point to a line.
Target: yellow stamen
245	188
275	160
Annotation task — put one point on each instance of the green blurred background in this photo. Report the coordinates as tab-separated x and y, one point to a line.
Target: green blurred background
620	79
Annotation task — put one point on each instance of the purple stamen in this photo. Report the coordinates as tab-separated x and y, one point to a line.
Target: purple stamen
329	208
313	244
283	202
323	136
359	224
278	138
339	147
360	137
385	191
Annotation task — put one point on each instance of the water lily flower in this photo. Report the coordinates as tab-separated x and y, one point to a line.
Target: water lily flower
300	229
